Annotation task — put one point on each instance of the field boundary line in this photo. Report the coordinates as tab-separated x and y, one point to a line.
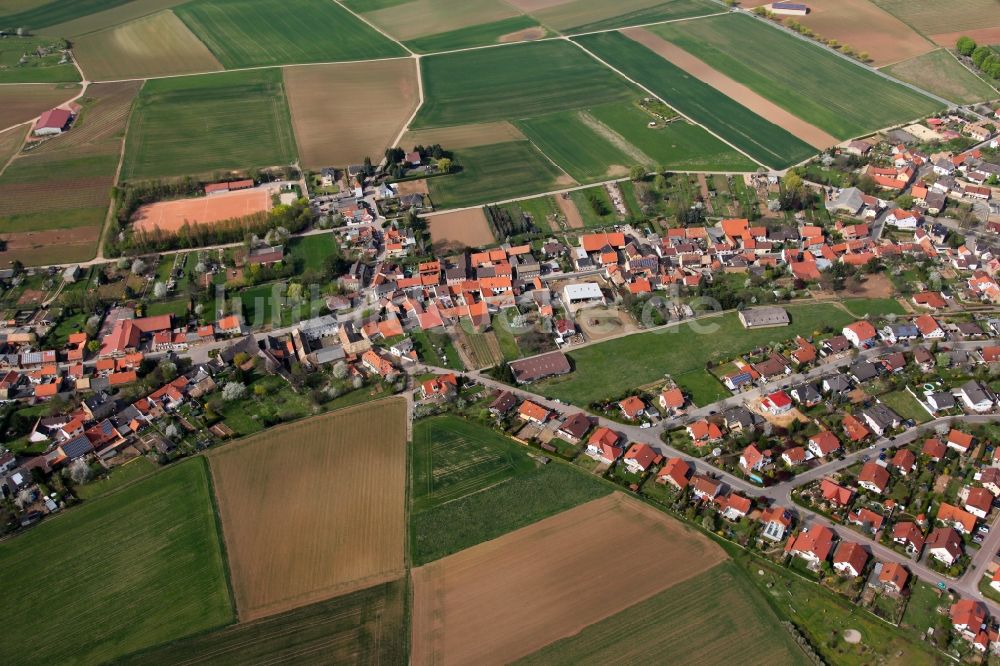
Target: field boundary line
103	236
372	26
654	95
20	145
420	101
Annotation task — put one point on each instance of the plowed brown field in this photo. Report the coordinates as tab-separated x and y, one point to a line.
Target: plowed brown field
463	228
346	112
23	101
314	509
506	598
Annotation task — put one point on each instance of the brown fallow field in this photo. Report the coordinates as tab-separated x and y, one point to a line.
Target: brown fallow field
504	599
344	113
418	18
979	35
463	136
21	102
462	228
35	248
863	26
314	509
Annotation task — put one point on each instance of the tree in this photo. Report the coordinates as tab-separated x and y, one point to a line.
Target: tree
981	54
138	267
340	370
445	165
171	432
94	346
79	471
159	289
24	498
965	45
637	173
358	382
233	391
905	201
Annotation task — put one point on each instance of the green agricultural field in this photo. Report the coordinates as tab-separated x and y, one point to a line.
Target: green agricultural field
477	35
589	15
677	146
735	123
365	627
938	72
611	368
495	173
717	617
538	208
824	94
198	124
452	458
523	500
603	142
38	15
513	82
121	573
248	33
118	477
570	139
34	68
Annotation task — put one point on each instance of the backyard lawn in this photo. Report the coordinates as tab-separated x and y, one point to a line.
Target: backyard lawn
611	368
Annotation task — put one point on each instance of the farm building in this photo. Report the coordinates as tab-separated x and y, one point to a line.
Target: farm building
582	294
538	367
52	122
763	317
789	8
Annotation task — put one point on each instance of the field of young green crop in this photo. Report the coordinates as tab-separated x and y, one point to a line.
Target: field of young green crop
476	35
824	93
588	15
130	570
42	14
197	124
759	138
495	173
514	82
573	144
247	33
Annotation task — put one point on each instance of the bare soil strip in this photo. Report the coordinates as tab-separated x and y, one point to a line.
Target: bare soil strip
568	207
506	598
615	139
979	35
464	227
528	6
736	91
464	136
526	35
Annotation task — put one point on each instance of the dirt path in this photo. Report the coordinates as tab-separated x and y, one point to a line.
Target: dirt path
736	91
703	185
616	139
568	207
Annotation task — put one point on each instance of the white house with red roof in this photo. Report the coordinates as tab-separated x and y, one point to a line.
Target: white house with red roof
675	472
861	334
632	407
814	544
873	477
823	444
705	487
640	457
776	403
753	459
850	559
603	446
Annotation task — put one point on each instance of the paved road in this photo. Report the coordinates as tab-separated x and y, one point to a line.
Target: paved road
780	493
